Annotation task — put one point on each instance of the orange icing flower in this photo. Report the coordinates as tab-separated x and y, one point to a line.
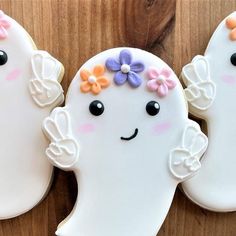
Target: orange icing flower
231	24
93	81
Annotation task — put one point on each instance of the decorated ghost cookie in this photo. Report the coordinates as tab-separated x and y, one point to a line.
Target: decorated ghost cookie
211	92
125	133
29	90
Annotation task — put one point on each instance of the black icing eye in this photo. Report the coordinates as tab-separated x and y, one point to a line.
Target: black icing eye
3	58
233	59
152	108
96	108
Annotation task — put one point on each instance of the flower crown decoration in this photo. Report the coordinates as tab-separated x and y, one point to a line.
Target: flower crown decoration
160	81
4	25
93	81
231	24
126	71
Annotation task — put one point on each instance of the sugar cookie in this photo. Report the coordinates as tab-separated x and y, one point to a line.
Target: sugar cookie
29	91
211	81
125	133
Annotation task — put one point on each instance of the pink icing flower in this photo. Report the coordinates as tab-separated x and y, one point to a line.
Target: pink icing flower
4	25
160	81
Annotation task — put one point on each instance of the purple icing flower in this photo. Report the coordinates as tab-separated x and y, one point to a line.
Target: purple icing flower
125	69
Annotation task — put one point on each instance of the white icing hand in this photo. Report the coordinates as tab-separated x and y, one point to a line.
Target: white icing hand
200	91
63	150
184	160
44	87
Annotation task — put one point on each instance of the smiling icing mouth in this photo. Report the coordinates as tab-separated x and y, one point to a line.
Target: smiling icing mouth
131	137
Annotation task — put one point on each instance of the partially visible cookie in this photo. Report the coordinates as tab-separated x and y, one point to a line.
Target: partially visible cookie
125	133
211	93
29	89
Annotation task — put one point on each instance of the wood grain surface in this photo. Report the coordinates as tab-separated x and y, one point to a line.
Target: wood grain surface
75	30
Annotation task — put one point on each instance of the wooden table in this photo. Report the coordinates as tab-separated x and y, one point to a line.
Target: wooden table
75	30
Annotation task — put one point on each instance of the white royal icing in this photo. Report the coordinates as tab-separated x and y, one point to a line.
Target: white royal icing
63	149
185	159
213	187
125	172
200	91
25	173
44	87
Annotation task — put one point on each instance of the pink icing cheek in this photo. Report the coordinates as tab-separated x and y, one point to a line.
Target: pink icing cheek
86	128
13	75
161	128
229	79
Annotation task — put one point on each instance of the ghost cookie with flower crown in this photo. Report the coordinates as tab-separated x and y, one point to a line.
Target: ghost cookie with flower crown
211	93
125	133
29	90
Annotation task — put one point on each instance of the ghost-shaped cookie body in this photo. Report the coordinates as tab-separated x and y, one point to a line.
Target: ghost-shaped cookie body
125	133
29	89
211	92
